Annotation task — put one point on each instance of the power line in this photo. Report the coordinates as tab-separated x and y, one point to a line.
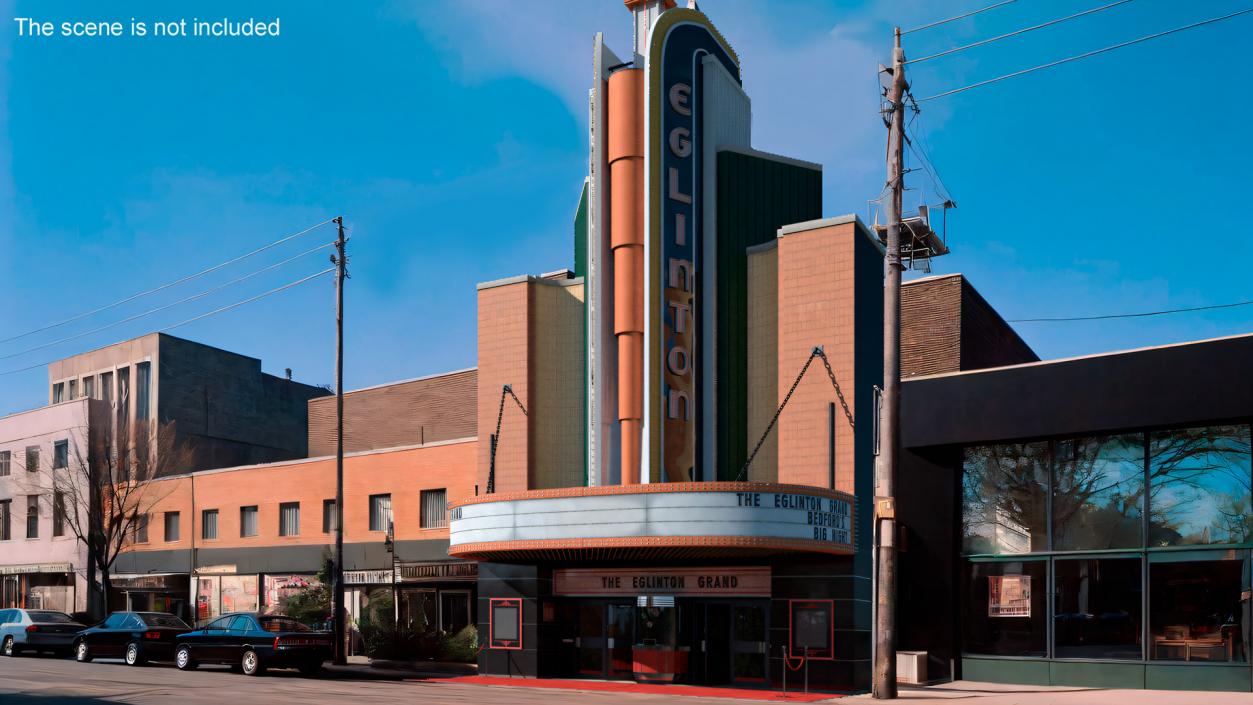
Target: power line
249	300
214	312
959	17
149	312
163	287
1088	54
1130	315
1015	33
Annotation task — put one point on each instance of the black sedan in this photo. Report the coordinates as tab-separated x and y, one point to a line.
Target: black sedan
137	637
252	643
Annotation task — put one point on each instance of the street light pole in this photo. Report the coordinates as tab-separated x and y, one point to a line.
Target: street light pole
341	273
884	677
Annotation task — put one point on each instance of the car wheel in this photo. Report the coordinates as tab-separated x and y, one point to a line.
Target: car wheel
10	649
82	654
311	669
134	657
183	659
251	663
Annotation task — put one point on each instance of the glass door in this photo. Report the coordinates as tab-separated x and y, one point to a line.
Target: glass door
748	644
590	642
619	640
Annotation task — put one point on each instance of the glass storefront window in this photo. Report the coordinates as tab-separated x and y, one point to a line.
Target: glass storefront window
1199	606
1200	480
1004	495
239	593
1005	608
1096	608
1098	499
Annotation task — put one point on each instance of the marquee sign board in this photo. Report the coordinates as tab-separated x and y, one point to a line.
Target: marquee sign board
804	519
673	380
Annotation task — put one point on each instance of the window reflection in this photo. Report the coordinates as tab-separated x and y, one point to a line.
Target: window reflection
1199	609
1005	608
1200	480
1099	493
1096	608
1004	493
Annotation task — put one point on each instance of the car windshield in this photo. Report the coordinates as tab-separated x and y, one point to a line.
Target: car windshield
163	620
51	617
282	624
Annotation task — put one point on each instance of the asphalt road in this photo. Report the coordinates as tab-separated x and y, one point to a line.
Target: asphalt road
33	680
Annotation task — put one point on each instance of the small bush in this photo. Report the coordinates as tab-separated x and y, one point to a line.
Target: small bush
462	647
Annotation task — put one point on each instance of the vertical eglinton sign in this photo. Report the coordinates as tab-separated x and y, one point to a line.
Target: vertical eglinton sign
680	39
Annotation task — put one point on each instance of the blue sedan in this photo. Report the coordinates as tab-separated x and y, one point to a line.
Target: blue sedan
36	630
252	643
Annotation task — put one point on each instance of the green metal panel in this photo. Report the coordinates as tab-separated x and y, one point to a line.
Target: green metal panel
580	234
1190	676
756	196
580	270
1097	674
1023	671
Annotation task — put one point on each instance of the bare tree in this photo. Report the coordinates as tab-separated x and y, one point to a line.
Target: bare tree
106	490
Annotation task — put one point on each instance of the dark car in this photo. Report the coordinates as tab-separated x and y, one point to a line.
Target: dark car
253	643
137	637
36	630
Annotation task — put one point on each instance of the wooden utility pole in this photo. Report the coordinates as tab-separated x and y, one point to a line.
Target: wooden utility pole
884	682
341	273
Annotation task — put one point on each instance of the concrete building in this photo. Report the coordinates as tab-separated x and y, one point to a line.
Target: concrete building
42	563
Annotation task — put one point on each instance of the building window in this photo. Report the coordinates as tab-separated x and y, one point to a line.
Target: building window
58	513
171	526
505	623
1004	498
1098	493
289	519
248	521
58	392
32	458
1096	608
434	511
380	512
141	528
143	390
1199	480
328	516
1005	608
209	524
123	397
106	387
6	517
6	458
89	387
73	389
60	455
32	516
1197	611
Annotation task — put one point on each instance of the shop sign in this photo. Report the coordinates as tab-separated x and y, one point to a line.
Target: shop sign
1009	595
727	582
36	568
216	570
149	582
367	577
439	571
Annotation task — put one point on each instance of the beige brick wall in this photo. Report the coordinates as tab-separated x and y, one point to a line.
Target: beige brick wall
815	305
504	353
763	367
557	417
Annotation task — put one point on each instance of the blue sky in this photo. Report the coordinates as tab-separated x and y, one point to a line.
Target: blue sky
452	135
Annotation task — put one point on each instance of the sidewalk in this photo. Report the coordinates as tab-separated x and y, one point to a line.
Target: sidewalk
975	693
379	669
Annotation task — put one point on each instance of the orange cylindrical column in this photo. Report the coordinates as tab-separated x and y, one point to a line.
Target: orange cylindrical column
625	154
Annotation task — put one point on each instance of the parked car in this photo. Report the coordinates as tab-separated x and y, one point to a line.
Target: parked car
137	637
253	643
36	630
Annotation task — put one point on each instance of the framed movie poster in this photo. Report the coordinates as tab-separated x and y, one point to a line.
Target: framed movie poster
1009	595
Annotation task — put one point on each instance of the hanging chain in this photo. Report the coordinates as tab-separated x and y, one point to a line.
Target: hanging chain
816	352
495	440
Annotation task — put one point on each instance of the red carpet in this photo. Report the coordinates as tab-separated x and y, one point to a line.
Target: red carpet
632	687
